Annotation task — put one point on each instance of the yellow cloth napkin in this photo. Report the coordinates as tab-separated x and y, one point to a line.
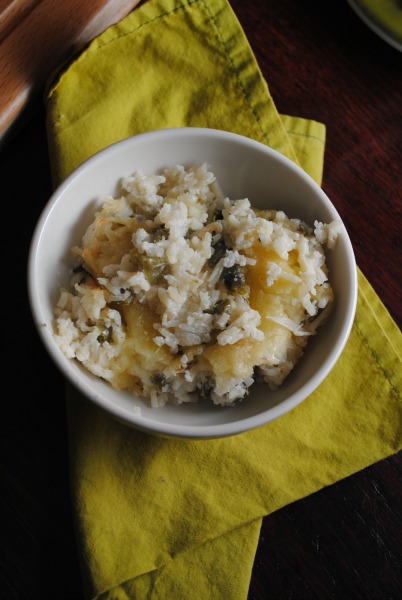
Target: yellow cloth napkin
159	518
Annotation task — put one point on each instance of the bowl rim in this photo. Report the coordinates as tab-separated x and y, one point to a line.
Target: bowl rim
137	420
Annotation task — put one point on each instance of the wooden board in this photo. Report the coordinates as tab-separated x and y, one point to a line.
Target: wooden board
36	36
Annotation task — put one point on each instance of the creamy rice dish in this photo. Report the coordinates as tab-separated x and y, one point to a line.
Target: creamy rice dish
182	294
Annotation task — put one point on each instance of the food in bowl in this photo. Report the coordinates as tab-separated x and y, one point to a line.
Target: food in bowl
181	293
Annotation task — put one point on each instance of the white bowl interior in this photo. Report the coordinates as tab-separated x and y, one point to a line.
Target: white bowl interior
244	168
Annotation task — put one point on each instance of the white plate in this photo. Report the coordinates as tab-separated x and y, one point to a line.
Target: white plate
384	17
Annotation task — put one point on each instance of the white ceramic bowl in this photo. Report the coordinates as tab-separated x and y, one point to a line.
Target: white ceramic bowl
244	168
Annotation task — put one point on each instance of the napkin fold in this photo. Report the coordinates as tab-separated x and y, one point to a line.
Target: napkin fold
164	518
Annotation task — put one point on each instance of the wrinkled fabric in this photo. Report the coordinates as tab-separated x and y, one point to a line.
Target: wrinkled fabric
161	518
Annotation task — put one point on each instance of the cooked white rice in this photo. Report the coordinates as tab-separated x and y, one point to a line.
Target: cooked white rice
182	293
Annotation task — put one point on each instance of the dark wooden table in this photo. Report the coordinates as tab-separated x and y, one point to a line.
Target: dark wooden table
344	542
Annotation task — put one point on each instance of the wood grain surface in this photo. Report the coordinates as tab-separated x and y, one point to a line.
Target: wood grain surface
343	542
36	36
